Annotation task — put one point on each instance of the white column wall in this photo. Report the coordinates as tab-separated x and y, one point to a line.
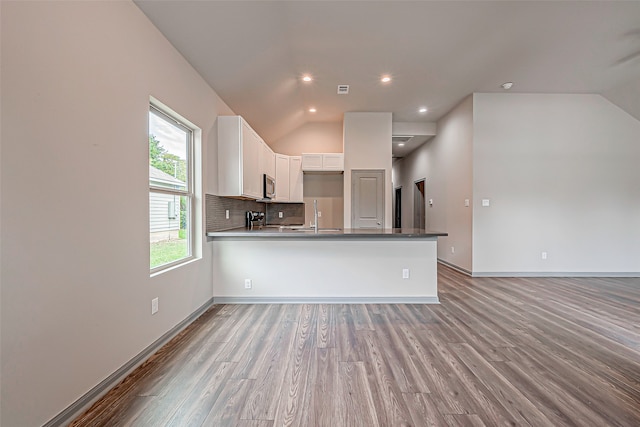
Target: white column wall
76	291
367	145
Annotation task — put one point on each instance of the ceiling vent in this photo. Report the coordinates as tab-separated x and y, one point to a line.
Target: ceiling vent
343	89
401	138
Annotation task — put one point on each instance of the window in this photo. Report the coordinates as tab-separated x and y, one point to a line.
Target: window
171	195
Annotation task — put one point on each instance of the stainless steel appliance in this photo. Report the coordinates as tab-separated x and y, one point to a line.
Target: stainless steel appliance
254	219
268	187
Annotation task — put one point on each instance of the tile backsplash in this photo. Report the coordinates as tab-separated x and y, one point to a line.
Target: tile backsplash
216	207
292	213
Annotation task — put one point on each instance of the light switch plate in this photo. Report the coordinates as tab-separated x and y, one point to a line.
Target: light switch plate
466	202
485	202
405	273
279	214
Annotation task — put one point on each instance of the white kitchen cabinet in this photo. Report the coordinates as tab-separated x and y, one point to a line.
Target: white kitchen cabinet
311	162
322	162
333	162
267	160
238	159
295	179
282	178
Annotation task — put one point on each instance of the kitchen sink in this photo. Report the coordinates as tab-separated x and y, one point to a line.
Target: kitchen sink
307	229
320	230
302	228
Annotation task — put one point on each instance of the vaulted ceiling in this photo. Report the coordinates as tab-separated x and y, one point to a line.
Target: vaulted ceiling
253	54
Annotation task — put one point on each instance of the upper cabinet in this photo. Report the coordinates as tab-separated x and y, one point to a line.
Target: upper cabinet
282	178
296	181
243	157
322	162
239	169
267	160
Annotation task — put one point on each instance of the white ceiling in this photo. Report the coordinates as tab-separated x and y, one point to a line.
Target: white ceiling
254	53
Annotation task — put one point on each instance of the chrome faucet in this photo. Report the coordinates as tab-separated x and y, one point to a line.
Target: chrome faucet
315	215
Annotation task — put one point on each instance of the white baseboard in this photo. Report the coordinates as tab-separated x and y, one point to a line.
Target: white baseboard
326	300
455	267
539	273
554	274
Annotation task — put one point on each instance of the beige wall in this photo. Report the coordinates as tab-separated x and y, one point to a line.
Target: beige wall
367	145
445	164
76	290
328	190
559	172
561	175
315	137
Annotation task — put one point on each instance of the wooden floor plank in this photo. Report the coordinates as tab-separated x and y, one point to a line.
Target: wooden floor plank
291	410
353	403
496	351
423	410
323	376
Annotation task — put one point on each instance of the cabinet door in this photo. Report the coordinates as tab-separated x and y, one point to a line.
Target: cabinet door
295	179
271	162
333	162
250	163
267	160
282	178
311	162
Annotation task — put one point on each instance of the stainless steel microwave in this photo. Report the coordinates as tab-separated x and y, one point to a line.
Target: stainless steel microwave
268	187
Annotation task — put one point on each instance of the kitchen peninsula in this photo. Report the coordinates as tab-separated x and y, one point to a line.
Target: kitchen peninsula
288	265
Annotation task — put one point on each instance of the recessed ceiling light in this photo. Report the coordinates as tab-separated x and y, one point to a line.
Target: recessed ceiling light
401	145
312	110
385	79
507	85
423	109
306	78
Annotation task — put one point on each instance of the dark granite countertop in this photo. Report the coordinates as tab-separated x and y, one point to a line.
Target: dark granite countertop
275	231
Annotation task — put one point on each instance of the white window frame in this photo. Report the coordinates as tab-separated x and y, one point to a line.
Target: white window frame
189	193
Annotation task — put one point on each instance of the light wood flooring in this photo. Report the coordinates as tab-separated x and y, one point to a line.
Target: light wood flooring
496	351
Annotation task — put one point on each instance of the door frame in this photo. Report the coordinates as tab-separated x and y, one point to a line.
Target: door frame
397	207
424	200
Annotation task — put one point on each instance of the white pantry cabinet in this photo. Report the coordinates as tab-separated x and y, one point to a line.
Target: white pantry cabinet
322	162
239	147
282	178
295	179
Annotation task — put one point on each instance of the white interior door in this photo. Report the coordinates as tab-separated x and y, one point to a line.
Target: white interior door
367	198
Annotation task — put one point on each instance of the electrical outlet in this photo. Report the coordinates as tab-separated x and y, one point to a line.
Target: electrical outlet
154	305
319	214
486	203
453	250
226	214
279	214
543	255
405	273
247	283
